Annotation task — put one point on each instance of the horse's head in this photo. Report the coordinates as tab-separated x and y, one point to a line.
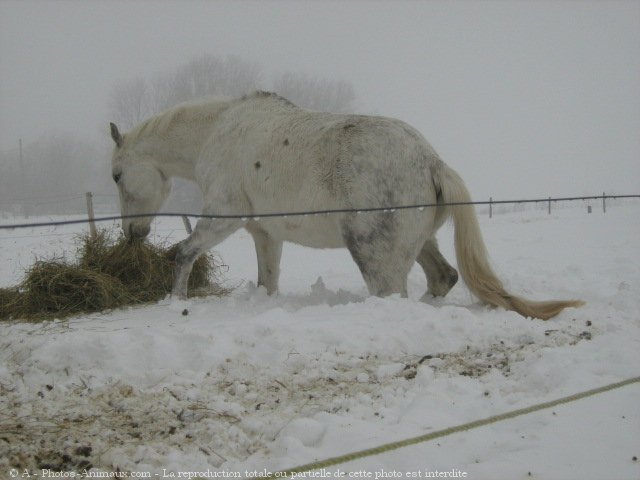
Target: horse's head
141	184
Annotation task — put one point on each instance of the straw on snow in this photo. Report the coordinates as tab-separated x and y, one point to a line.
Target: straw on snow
109	273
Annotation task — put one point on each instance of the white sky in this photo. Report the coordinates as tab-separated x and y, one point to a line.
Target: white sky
524	99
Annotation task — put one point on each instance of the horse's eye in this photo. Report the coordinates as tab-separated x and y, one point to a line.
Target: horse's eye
116	177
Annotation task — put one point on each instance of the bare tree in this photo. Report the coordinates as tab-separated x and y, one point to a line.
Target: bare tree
316	93
130	102
206	75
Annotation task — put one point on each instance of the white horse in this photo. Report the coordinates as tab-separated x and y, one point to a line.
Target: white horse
262	154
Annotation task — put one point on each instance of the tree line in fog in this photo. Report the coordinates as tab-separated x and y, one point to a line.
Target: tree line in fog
50	174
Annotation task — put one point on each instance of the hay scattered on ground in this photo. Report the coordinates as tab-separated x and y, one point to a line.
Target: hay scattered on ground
109	273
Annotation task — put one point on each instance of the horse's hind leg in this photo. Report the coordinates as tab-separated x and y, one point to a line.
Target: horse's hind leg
268	252
441	277
381	275
208	233
382	254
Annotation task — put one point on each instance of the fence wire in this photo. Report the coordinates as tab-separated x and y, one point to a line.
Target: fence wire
258	216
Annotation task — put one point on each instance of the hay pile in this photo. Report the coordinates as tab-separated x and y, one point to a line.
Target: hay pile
108	273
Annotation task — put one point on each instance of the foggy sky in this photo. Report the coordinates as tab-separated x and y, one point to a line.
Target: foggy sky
523	99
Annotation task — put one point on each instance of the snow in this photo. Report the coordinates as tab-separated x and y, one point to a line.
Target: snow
257	383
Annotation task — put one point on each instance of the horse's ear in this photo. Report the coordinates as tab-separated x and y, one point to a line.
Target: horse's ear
115	134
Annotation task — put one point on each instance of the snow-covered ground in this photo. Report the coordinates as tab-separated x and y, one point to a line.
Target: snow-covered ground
252	383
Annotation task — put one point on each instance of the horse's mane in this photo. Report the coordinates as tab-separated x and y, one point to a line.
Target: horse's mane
204	109
269	95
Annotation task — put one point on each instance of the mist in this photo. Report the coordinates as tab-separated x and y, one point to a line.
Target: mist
523	99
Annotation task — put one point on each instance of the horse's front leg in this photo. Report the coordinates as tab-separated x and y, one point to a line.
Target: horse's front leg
268	252
207	234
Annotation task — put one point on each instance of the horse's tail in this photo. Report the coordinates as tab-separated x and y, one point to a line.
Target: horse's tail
472	254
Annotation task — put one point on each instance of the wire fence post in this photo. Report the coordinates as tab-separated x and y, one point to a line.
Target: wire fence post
549	207
604	206
490	207
23	183
92	223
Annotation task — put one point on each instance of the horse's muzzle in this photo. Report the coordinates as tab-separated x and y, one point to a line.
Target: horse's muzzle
137	232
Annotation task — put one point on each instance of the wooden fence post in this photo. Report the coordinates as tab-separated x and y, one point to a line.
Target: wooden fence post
92	223
490	207
549	208
604	206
